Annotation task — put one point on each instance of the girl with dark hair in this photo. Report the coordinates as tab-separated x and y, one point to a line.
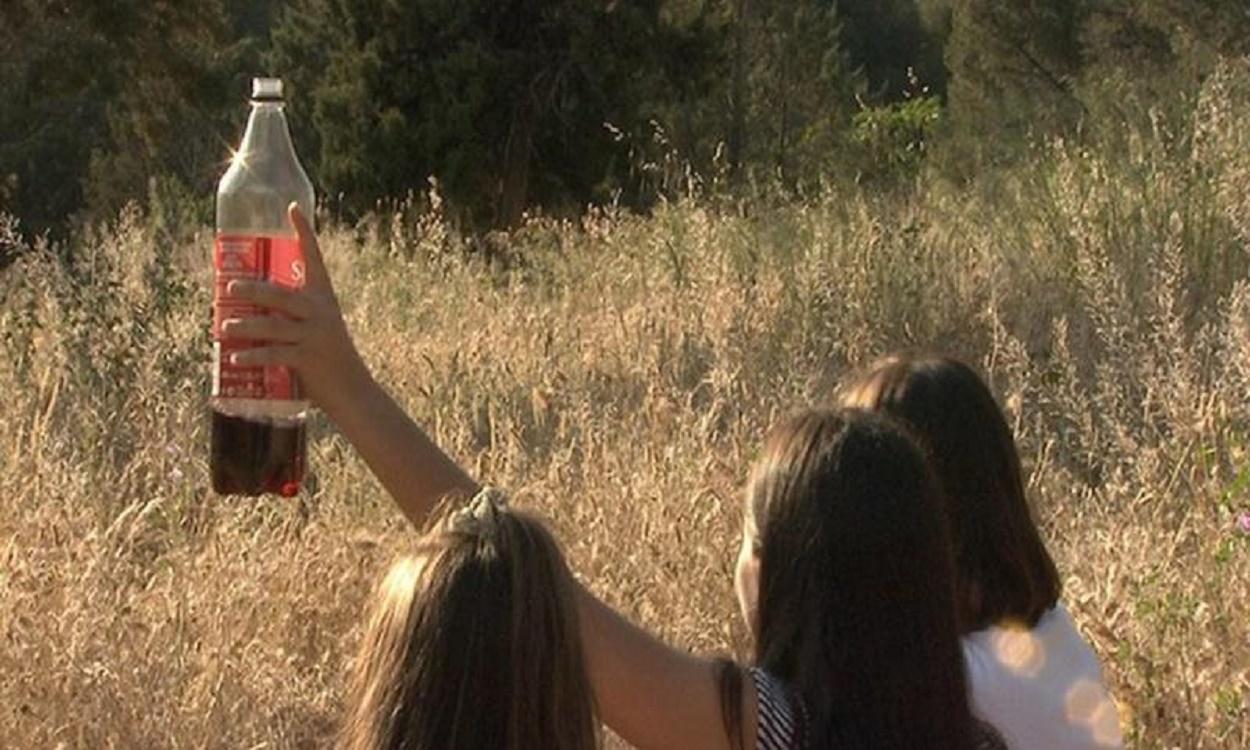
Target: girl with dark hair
845	576
1031	673
473	643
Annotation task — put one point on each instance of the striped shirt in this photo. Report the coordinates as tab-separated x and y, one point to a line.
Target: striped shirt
780	713
777	726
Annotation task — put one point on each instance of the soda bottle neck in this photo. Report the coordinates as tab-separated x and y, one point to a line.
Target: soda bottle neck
264	177
267	132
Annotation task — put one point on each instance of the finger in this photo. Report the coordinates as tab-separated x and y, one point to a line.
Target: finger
318	277
290	301
262	328
278	354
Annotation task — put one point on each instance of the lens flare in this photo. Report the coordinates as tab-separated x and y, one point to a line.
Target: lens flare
1019	650
238	157
1088	704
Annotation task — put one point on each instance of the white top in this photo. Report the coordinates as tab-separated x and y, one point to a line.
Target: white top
1042	688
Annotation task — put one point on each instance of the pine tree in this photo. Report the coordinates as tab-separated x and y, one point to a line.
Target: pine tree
793	88
505	102
53	111
184	90
1013	63
102	96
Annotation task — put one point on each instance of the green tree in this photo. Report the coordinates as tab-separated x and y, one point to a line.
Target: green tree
1161	34
102	97
180	104
504	102
1222	24
792	89
53	114
1014	62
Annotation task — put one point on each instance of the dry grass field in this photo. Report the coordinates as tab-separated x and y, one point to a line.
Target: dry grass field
616	374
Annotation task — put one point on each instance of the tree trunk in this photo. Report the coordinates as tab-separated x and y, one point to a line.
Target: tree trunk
785	42
736	142
514	183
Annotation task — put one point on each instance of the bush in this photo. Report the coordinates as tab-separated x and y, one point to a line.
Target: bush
895	137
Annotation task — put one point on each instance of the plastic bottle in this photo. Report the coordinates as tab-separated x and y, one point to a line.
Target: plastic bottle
258	416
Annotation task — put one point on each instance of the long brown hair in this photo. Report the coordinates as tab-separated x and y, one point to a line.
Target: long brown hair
1004	573
856	595
473	644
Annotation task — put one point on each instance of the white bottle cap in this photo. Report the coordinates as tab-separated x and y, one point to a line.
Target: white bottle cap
267	89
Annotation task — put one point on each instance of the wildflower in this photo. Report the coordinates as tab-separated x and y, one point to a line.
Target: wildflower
1243	522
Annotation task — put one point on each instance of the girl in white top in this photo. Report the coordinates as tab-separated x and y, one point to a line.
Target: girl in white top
1031	673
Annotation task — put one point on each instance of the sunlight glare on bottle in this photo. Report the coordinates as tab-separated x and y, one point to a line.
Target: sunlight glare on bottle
237	158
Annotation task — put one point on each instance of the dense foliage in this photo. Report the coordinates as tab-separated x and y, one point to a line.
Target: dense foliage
516	105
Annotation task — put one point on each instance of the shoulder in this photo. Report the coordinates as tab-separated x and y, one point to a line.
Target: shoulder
779	713
1060	621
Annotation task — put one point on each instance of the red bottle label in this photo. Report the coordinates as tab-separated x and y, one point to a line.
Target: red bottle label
277	259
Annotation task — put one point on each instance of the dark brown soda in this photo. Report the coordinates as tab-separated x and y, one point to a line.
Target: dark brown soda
254	458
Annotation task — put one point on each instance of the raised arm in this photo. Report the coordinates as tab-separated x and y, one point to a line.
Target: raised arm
313	338
415	471
654	696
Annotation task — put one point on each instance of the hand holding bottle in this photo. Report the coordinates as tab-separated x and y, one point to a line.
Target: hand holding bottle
307	333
